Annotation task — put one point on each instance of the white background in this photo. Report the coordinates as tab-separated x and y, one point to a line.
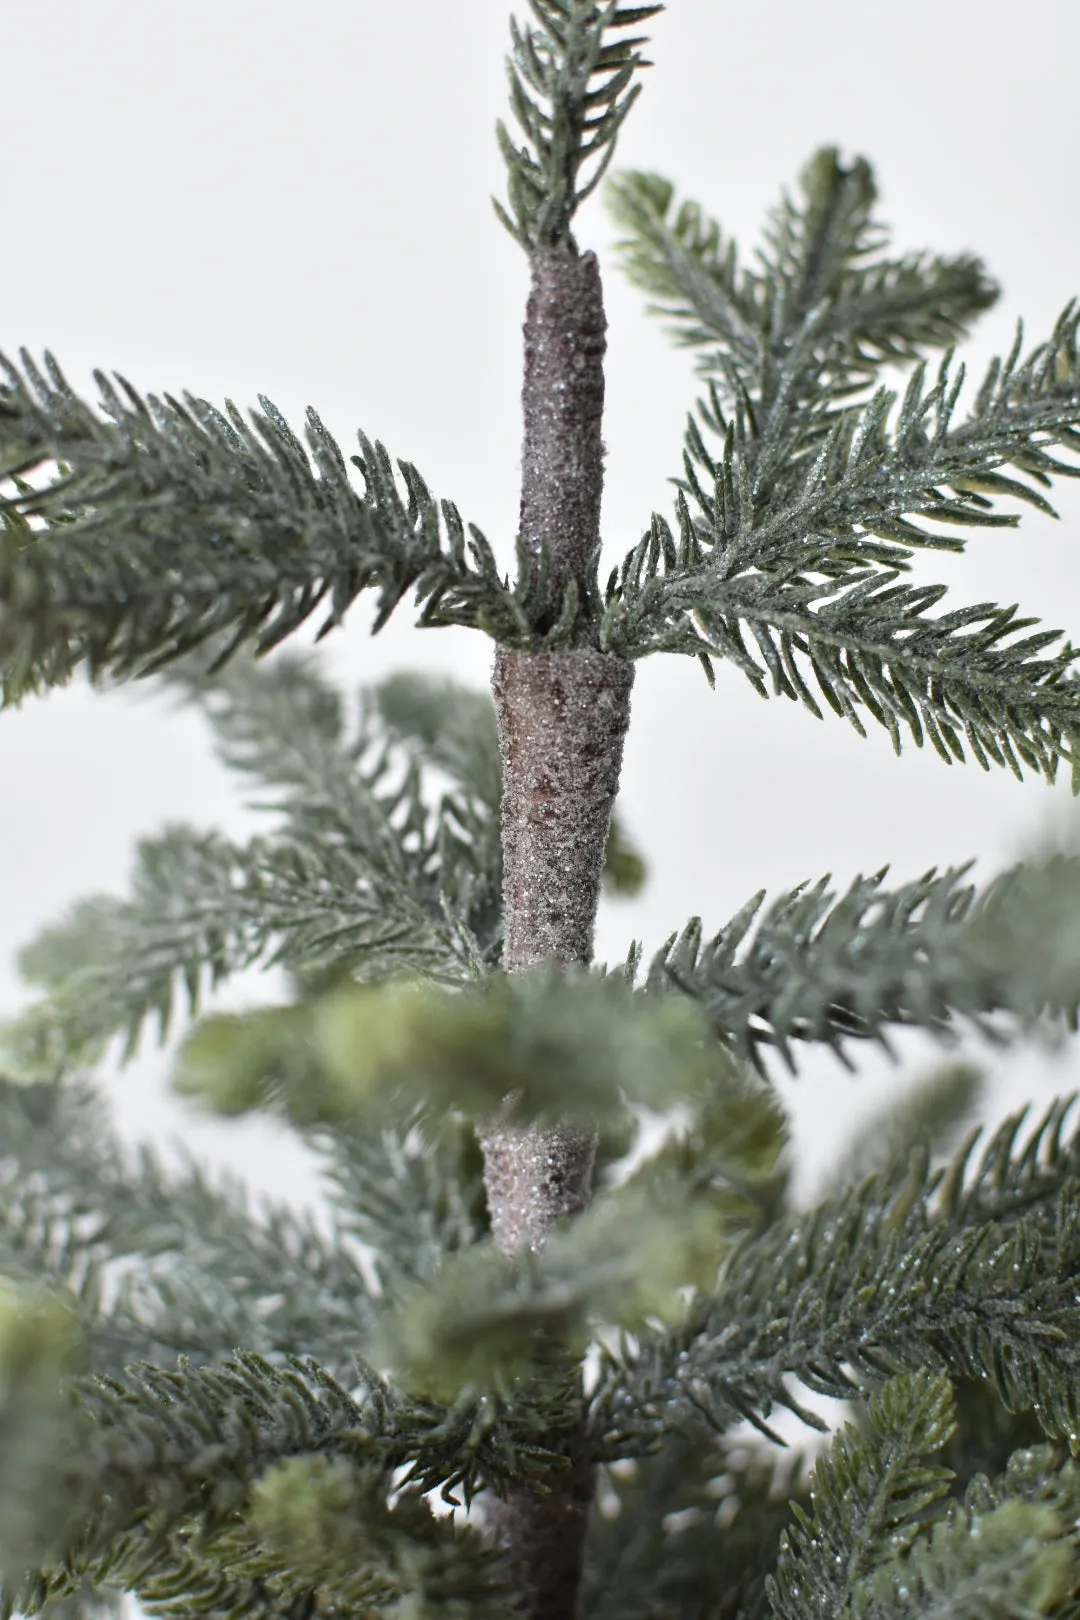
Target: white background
235	197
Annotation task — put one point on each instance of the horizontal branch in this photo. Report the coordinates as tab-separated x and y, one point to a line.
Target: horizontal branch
164	1447
76	1212
170	524
911	1269
815	967
202	910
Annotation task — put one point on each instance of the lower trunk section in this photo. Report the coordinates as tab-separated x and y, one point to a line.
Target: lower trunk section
562	719
534	1178
544	1537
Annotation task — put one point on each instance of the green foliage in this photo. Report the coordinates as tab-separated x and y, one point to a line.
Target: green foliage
1014	1561
367	871
876	1541
165	1453
393	1352
572	63
553	1042
412	1192
818	968
322	1526
40	1349
448	726
743	319
805	515
152	1264
486	1320
170	525
916	1267
730	1149
362	874
624	868
922	1268
689	1532
168	1463
870	1499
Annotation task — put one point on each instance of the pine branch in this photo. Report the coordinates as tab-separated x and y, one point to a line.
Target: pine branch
202	908
876	1541
797	340
574	65
775	498
818	968
696	1529
871	647
209	1260
363	875
1009	1550
171	524
871	1497
911	1269
282	725
323	1526
730	1148
547	1045
166	1577
450	726
816	262
486	1321
160	1449
164	1454
154	1263
413	1191
803	335
799	492
40	1354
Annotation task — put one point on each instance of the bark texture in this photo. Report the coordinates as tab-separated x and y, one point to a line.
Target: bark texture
534	1178
562	717
562	401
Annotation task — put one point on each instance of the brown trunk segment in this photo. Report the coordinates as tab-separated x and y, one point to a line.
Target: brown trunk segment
562	404
563	717
562	721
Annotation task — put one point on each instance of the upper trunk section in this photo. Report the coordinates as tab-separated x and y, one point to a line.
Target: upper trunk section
562	720
562	471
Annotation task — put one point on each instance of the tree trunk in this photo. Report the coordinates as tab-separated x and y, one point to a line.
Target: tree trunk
562	718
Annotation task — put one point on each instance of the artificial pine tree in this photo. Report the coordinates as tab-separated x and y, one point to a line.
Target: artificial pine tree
234	1414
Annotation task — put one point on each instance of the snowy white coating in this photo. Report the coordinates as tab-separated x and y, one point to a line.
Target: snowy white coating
534	1177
